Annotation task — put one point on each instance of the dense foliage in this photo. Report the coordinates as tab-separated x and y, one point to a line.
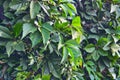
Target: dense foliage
59	39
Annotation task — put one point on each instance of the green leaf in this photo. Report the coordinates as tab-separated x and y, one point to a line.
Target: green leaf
90	48
113	8
52	70
95	55
35	38
63	6
102	52
46	77
34	9
13	45
71	43
90	63
45	34
117	13
17	29
76	22
115	48
65	55
44	8
75	51
28	28
19	46
72	7
9	48
38	77
48	27
4	32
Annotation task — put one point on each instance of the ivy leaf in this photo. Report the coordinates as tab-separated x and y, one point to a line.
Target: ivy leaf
45	31
102	52
44	8
63	6
52	70
13	45
17	29
48	27
34	9
5	33
19	46
9	48
65	55
35	38
76	22
117	13
72	7
46	77
115	48
28	28
95	55
90	48
45	34
113	8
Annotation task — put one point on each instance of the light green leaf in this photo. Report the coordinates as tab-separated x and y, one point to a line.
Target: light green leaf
28	28
117	13
113	8
71	43
63	6
72	7
76	22
112	72
34	9
115	48
46	77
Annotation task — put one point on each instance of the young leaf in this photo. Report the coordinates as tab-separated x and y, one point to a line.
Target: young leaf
76	22
46	77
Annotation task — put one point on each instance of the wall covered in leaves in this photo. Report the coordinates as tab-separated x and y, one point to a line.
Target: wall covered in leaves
59	39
